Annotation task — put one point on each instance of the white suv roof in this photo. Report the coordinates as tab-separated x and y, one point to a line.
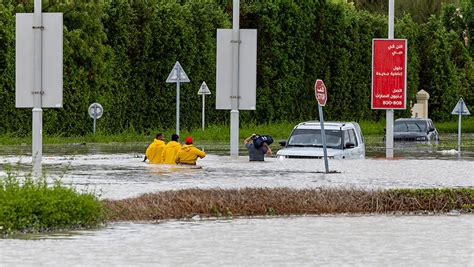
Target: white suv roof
327	125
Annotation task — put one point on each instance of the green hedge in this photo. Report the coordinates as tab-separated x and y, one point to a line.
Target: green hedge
119	53
31	205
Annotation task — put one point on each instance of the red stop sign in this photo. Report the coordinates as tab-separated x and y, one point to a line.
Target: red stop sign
320	92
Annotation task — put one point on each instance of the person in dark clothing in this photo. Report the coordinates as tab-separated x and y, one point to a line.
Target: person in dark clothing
256	154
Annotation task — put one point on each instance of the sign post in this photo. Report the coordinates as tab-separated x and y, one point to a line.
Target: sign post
320	93
460	109
203	90
236	73
389	61
95	111
38	70
177	75
389	76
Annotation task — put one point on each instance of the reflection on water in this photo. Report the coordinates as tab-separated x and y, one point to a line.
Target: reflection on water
307	241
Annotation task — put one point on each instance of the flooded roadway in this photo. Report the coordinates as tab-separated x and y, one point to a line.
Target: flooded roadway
125	175
116	172
301	241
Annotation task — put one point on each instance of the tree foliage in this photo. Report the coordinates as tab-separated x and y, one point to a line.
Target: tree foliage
119	53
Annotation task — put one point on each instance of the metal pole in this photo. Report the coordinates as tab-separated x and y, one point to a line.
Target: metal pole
459	127
177	105
234	113
323	135
95	117
203	109
37	142
390	113
391	18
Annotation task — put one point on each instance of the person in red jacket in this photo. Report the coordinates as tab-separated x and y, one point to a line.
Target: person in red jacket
189	154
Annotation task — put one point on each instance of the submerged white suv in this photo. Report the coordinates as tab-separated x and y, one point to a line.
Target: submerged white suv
344	140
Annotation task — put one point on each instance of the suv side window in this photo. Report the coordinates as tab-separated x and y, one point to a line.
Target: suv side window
350	136
431	124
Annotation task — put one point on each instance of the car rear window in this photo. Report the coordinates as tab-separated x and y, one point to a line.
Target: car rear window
409	126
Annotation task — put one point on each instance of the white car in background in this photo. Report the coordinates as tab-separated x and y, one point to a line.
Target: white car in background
344	140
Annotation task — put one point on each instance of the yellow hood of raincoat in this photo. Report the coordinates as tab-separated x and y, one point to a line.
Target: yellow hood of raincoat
154	151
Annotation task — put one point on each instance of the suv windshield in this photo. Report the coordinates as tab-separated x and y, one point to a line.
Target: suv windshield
409	126
312	138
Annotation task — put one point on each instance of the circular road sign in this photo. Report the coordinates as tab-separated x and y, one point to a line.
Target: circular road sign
320	92
96	110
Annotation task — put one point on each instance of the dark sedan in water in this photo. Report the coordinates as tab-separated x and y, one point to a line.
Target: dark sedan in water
415	129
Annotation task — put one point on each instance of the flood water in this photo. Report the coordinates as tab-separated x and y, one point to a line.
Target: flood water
116	171
439	240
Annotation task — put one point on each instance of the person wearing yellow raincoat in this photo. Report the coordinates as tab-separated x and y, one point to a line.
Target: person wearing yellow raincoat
155	149
171	150
188	153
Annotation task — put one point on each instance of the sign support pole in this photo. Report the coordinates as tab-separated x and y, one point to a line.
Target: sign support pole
389	116
37	113
95	119
323	135
203	109
204	90
234	113
177	75
177	105
459	127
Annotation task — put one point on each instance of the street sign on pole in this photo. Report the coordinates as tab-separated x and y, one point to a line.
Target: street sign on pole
389	60
320	93
95	111
52	60
236	73
177	75
460	109
247	69
38	70
203	90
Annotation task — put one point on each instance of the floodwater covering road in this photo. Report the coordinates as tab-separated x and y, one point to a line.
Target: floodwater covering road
439	240
116	172
117	176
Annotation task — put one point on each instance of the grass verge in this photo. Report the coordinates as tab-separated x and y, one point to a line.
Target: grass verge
279	131
187	203
29	205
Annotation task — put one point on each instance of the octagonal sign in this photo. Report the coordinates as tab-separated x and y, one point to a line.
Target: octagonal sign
320	92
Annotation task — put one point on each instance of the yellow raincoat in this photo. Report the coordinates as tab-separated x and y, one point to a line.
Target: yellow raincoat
170	151
188	155
154	151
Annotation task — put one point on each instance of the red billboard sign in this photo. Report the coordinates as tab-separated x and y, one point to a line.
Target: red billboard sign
320	92
389	74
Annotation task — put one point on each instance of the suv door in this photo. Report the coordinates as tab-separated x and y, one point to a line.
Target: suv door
351	137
